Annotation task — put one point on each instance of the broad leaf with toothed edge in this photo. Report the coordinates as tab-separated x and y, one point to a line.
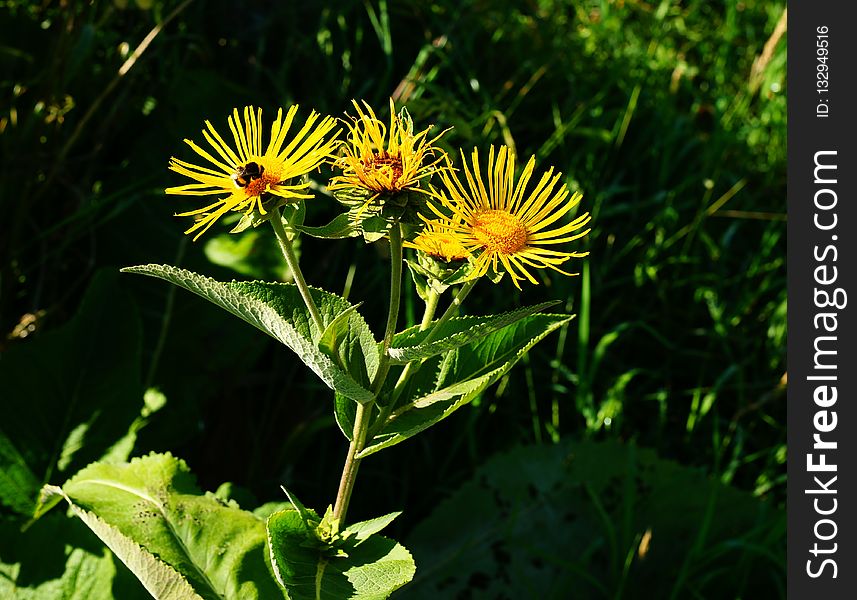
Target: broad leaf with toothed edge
278	310
460	376
181	544
362	567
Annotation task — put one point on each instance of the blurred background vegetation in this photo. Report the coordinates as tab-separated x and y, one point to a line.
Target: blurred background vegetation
656	420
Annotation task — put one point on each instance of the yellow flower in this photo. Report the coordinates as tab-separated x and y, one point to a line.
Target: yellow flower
506	225
385	160
439	243
248	174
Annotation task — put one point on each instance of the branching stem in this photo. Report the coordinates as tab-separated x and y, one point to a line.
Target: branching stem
362	417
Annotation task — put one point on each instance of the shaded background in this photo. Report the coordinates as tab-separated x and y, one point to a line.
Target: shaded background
668	116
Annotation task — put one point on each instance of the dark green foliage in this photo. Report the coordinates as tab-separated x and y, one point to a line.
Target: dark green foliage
649	108
597	520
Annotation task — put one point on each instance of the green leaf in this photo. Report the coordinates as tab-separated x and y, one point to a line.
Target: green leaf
458	331
364	529
306	516
252	254
157	577
180	544
461	376
371	569
59	557
344	410
278	310
340	339
342	226
569	520
69	394
374	228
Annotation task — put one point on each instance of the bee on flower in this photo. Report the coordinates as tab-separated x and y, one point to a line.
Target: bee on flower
502	224
248	175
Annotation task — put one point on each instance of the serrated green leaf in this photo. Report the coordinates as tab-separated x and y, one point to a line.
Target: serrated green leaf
278	310
342	226
371	570
159	578
180	544
458	331
69	394
463	374
59	557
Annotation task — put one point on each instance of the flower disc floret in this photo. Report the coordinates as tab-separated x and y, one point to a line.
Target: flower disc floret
248	174
385	159
505	226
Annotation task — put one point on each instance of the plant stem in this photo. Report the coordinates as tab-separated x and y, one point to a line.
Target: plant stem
393	314
349	469
431	307
363	414
292	260
451	310
412	367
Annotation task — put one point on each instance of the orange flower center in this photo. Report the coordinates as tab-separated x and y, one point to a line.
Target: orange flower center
499	231
255	179
384	161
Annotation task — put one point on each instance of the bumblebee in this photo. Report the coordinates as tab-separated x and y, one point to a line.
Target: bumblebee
246	174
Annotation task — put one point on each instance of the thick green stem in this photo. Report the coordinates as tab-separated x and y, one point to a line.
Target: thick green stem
362	417
395	297
292	260
349	469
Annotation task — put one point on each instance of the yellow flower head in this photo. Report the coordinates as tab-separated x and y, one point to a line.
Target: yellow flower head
248	174
385	160
504	224
439	243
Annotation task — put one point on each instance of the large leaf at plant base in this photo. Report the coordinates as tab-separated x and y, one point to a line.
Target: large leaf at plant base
462	375
278	310
598	520
179	543
69	394
371	568
458	331
58	557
